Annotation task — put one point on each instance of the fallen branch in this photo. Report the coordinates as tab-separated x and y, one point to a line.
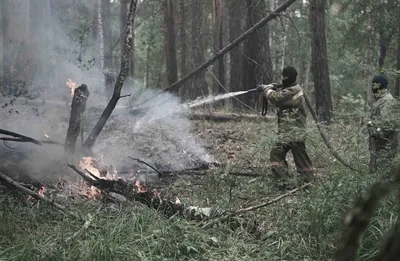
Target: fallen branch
323	134
148	165
24	140
230	214
227	117
21	137
8	181
125	57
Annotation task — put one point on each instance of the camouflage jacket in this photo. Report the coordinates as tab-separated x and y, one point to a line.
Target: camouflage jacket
291	111
384	116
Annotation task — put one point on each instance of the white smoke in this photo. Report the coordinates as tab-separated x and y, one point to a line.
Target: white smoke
155	135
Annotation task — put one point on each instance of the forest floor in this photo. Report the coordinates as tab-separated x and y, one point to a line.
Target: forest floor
303	226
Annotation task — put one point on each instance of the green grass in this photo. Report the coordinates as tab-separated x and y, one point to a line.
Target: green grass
302	227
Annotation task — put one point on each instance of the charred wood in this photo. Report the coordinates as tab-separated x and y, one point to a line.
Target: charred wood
78	106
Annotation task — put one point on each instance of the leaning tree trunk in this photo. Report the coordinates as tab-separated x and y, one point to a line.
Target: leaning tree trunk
199	85
5	23
236	14
217	27
320	69
169	44
183	45
257	66
124	72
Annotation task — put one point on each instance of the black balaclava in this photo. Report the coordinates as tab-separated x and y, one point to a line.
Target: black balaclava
381	81
289	75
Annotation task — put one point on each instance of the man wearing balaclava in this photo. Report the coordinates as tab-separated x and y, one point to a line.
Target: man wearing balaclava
382	127
288	98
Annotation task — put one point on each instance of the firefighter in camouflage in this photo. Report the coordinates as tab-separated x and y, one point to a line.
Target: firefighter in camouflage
383	126
289	100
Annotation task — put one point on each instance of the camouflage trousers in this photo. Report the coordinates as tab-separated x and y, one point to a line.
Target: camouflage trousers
381	156
302	160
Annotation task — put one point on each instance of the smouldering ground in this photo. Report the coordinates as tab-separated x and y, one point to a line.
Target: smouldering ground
301	227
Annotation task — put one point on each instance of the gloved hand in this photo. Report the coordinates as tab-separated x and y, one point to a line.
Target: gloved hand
373	131
262	87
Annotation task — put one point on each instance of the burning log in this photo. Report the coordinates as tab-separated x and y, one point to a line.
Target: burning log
135	191
78	105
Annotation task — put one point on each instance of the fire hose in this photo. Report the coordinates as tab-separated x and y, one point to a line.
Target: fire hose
264	105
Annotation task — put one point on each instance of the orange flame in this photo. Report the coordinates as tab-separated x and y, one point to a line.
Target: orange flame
42	190
72	85
140	187
89	164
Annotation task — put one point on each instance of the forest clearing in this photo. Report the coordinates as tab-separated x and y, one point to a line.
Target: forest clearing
199	130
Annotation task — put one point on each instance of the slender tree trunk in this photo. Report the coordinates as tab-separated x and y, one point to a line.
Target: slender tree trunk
183	45
107	35
107	55
123	74
5	22
123	16
236	14
272	34
101	35
217	27
257	62
199	85
369	67
283	43
150	44
169	44
78	106
397	88
320	69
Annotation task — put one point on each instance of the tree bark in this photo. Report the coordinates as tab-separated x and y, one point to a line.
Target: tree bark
199	85
257	67
5	22
169	44
124	72
230	46
236	14
78	106
397	88
108	57
217	27
183	45
101	34
319	55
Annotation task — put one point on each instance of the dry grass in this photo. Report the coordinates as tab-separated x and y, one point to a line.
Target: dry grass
301	227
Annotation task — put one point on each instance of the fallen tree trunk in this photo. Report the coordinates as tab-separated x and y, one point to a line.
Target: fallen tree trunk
228	117
78	105
125	57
